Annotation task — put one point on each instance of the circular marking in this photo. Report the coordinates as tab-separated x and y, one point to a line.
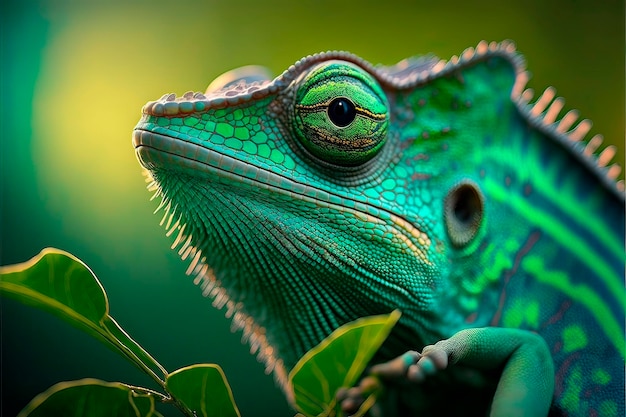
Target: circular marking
463	211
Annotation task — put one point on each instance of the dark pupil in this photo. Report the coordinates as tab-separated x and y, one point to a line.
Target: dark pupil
341	112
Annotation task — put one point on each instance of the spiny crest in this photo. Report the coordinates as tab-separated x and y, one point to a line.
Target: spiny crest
211	287
544	114
412	72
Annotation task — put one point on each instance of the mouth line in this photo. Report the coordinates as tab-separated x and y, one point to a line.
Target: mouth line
196	158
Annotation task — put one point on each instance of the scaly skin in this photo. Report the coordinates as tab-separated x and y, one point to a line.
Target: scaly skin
340	190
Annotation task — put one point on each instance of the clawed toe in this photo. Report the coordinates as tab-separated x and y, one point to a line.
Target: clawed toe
350	399
432	360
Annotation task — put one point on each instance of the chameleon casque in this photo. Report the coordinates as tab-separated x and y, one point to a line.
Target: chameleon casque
341	189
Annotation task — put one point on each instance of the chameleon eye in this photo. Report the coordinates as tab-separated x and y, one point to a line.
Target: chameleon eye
340	114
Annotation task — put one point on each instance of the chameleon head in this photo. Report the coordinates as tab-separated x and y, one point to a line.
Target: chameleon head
292	201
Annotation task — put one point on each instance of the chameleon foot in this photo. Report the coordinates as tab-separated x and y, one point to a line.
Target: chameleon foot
525	385
411	366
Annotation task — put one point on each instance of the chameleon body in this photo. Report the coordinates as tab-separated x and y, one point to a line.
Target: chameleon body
340	189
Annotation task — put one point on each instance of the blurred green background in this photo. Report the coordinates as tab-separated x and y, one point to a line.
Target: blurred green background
74	78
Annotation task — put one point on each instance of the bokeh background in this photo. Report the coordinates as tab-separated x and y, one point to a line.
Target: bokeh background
75	75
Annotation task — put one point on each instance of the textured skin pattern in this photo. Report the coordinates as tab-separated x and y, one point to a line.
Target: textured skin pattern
461	205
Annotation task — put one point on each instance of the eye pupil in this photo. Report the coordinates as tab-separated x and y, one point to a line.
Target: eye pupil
341	112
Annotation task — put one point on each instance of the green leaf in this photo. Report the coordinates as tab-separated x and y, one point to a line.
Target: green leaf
337	362
92	398
60	283
203	389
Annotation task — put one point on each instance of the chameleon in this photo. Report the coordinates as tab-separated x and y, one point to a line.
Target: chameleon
444	189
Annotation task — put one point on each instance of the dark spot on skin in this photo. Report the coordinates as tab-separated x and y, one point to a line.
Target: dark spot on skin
471	318
421	157
528	189
417	176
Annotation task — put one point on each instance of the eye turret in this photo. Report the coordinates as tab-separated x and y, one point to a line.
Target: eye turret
341	114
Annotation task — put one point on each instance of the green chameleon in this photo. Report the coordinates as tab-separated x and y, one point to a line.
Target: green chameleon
341	189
